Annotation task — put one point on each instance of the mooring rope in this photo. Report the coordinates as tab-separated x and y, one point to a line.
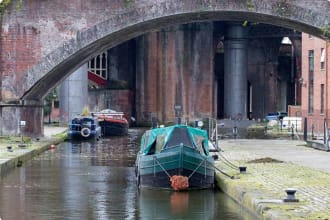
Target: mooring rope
228	163
223	172
155	158
196	168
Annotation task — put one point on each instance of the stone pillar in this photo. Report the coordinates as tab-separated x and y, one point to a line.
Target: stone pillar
29	111
235	76
74	94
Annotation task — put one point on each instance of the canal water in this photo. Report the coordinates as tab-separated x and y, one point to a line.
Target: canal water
87	180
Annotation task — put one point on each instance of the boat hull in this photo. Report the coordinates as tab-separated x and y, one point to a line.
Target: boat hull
110	128
76	135
156	170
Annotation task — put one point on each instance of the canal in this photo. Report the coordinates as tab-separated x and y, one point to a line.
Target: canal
87	180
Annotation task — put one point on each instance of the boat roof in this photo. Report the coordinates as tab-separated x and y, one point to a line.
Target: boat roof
173	136
80	119
84	117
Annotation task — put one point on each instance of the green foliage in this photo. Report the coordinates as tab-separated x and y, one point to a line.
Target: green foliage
250	5
326	30
118	84
128	3
282	9
85	111
19	4
3	6
49	101
63	135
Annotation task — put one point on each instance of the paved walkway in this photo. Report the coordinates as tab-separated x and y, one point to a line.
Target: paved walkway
262	188
52	130
286	150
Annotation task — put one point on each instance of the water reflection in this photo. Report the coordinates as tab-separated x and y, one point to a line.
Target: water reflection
177	205
97	181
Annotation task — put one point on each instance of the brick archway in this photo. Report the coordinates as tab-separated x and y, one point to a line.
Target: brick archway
43	42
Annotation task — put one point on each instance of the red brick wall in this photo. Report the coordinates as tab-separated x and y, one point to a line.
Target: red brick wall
313	43
177	70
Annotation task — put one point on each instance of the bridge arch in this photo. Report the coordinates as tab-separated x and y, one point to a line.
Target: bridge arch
133	18
63	60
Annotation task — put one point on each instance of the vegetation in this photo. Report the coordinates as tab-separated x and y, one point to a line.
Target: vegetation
282	9
85	111
250	5
3	5
128	3
48	102
326	30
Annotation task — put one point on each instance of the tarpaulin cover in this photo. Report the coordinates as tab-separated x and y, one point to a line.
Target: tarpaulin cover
161	136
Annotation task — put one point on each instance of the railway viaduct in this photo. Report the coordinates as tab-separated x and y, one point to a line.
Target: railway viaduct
43	42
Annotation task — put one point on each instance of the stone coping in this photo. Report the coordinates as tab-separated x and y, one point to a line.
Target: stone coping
18	154
261	190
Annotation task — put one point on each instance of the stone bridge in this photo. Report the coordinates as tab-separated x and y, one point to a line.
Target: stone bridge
43	42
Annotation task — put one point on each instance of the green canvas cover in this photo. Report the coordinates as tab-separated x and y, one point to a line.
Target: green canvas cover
153	141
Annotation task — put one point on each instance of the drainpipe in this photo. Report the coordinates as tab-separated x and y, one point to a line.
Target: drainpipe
326	77
326	138
293	81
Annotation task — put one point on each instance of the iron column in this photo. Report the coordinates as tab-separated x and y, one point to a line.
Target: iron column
235	76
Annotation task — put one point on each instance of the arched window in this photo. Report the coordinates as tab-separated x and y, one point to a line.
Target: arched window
99	65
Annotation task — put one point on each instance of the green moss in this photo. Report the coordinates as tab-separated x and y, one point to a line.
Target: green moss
19	5
63	135
250	5
128	3
251	188
282	9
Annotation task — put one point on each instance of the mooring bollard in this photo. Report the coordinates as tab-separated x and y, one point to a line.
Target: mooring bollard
291	195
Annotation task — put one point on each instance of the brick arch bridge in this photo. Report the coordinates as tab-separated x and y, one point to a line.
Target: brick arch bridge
42	42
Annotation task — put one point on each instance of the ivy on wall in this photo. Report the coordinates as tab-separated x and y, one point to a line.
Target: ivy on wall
3	5
128	3
326	30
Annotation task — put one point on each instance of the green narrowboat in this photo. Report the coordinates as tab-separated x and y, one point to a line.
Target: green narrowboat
175	157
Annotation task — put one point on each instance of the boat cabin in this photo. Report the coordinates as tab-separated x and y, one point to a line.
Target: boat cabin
161	139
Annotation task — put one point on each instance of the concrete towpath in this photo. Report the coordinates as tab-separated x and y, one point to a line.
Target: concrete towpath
50	131
14	151
272	167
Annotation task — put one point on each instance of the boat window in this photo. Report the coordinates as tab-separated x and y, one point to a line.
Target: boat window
199	140
152	148
75	121
160	143
87	123
145	140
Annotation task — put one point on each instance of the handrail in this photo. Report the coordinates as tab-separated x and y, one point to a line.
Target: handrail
213	131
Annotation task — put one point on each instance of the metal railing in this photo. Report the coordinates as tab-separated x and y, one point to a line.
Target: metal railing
317	131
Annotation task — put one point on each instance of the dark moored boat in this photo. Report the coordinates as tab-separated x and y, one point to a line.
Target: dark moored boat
175	153
84	127
112	123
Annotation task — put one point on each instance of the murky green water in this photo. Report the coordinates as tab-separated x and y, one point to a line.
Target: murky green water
97	181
